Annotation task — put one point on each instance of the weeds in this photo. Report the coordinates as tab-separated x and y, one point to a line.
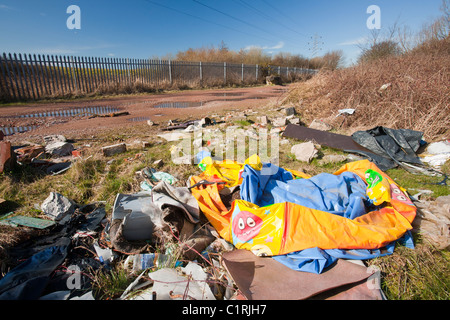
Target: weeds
415	274
110	284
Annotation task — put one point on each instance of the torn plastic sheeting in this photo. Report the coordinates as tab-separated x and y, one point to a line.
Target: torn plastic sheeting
138	215
393	145
440	147
163	195
28	280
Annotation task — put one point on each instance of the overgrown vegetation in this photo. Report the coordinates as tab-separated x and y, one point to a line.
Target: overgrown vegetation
255	55
388	87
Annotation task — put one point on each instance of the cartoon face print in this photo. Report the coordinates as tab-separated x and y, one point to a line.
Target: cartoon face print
246	225
397	194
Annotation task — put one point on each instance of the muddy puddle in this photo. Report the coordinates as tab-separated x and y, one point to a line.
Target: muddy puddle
63	113
100	110
138	119
190	104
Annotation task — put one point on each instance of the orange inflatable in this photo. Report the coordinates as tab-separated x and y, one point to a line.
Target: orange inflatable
288	227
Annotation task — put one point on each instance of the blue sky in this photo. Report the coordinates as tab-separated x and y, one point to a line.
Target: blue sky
151	28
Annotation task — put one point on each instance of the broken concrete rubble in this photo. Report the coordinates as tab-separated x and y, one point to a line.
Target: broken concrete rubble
332	158
320	125
279	122
114	149
57	206
290	111
59	148
263	120
54	138
304	151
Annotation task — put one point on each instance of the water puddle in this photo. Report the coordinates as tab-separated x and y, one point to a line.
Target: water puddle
189	104
139	119
8	131
227	94
180	104
73	112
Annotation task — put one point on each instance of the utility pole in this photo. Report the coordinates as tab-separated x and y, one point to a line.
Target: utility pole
315	44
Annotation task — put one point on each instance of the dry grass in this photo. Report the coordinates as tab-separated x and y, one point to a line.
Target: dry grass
417	97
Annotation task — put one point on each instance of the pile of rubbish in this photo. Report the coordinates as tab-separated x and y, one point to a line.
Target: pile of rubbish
236	231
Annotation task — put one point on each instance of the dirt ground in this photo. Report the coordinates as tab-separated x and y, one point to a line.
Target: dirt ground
140	108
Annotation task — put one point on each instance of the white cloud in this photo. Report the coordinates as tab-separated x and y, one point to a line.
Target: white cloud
279	45
354	42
